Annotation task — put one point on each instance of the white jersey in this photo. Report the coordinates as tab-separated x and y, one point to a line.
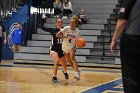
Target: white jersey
67	43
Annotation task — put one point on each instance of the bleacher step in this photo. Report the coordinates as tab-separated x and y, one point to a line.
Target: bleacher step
41	57
34	64
45	50
95	6
48	44
48	37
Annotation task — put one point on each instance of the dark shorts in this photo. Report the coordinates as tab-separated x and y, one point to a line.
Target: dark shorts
58	49
130	60
0	48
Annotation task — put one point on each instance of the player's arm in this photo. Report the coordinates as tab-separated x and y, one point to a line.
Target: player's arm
60	35
123	18
50	30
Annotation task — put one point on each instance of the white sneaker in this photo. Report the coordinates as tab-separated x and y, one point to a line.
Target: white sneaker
77	75
79	70
57	16
64	17
54	16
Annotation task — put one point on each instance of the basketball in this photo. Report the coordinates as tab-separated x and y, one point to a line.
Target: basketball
81	42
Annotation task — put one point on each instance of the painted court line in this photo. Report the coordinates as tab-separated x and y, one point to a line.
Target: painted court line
107	87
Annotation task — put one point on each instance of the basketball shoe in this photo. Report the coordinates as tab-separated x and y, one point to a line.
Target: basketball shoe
66	75
77	75
54	79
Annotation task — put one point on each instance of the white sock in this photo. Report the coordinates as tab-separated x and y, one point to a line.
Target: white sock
76	73
54	75
65	72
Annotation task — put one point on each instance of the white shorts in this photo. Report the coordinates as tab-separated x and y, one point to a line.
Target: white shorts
67	49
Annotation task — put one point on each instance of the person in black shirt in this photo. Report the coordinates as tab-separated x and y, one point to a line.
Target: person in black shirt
56	51
82	17
128	27
2	31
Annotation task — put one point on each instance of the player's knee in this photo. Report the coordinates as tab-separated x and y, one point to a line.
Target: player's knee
55	59
57	64
70	62
65	67
73	59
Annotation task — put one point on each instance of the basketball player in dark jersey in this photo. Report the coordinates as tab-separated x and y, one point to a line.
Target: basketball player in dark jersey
56	51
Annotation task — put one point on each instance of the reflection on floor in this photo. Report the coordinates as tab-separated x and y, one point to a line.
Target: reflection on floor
37	79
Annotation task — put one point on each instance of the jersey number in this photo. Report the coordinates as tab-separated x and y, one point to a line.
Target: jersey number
59	41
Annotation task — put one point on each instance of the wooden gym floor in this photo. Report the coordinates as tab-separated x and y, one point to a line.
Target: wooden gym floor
37	79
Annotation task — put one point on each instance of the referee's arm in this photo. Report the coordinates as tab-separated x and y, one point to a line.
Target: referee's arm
122	21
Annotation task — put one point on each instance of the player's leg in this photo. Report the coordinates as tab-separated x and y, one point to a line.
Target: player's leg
54	56
64	65
67	55
15	48
18	48
62	59
75	64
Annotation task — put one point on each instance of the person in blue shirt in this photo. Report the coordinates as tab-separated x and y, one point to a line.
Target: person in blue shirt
17	37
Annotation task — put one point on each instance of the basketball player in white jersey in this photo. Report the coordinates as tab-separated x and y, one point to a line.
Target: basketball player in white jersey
70	35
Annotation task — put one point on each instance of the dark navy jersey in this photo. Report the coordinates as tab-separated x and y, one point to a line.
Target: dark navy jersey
55	40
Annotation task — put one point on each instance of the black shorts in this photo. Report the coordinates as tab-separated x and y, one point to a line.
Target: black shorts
0	48
58	49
